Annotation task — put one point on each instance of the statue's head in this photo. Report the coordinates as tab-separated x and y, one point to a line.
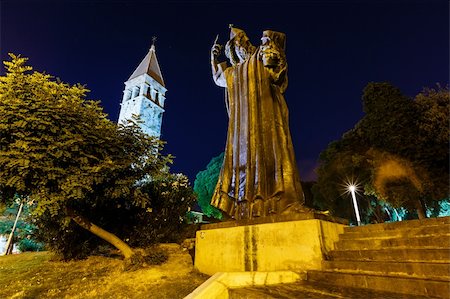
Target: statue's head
275	37
238	48
273	44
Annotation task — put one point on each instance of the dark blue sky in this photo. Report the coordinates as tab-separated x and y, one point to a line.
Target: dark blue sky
334	48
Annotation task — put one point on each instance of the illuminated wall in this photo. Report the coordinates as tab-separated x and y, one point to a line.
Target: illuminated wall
144	96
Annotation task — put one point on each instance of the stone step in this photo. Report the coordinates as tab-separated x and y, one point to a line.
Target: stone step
405	232
313	290
434	255
407	224
441	241
417	269
402	284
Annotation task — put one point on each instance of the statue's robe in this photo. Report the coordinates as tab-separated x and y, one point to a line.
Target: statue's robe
259	175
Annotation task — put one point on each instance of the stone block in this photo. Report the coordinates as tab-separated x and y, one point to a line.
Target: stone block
298	245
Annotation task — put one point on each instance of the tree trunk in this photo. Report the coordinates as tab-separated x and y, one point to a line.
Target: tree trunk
420	209
126	250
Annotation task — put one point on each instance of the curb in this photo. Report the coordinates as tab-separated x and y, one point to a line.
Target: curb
216	287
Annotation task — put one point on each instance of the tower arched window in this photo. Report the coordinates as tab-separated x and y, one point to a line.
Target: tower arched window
157	97
127	95
135	91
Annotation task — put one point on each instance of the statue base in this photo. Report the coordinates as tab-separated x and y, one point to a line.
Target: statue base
298	242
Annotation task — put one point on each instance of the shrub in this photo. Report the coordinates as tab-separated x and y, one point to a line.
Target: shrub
171	196
29	245
161	221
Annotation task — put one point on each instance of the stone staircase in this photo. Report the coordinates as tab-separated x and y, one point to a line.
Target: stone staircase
409	257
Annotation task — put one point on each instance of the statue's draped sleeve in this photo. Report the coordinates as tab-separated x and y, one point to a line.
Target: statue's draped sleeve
218	72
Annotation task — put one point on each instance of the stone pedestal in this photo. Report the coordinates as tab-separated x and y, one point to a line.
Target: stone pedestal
296	242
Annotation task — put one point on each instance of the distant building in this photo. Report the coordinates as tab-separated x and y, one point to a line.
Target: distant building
144	95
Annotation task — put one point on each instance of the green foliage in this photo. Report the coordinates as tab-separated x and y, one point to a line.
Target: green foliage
398	151
6	226
160	220
164	220
59	150
23	228
24	234
390	123
432	152
340	165
68	241
444	208
204	186
29	245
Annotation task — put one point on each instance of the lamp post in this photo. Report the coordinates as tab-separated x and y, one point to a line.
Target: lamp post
352	189
9	243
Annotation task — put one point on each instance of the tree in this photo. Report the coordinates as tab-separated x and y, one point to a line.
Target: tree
204	185
60	151
160	220
164	219
399	149
411	137
340	165
433	138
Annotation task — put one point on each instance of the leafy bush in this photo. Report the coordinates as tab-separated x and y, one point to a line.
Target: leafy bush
162	220
204	185
69	242
24	234
29	245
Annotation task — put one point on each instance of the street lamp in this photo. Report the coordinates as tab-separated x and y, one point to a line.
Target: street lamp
352	189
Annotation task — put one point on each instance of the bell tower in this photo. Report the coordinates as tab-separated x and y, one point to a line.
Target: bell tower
144	95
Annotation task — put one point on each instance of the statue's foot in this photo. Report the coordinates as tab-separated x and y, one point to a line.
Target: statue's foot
297	208
326	213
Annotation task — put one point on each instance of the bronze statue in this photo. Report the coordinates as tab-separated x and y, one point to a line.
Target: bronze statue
259	176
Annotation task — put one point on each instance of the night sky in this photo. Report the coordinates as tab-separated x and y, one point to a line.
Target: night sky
334	48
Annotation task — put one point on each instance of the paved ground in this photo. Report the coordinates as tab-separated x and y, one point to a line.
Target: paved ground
308	290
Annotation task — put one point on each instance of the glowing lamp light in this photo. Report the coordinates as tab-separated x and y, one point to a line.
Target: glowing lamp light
352	189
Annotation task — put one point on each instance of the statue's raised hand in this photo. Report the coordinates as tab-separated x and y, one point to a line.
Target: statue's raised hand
215	51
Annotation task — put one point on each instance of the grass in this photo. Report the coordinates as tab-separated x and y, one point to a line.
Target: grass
35	275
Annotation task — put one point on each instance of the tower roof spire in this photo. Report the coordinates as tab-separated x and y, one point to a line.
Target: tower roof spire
149	65
154	38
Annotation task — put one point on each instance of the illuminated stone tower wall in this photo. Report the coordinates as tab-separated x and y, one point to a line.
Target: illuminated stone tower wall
144	96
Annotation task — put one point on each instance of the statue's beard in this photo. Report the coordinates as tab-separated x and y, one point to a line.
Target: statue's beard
238	53
241	53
